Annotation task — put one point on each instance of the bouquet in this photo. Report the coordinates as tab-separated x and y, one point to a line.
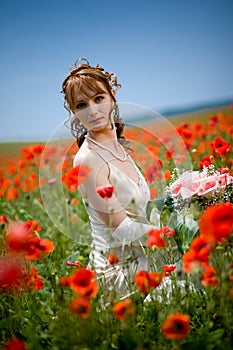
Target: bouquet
186	197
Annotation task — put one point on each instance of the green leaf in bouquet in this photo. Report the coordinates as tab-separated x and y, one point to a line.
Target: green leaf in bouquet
159	204
167	218
186	230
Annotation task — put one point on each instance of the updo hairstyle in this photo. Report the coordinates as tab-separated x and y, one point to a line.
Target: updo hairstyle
85	77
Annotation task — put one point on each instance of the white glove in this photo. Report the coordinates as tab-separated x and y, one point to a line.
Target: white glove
130	231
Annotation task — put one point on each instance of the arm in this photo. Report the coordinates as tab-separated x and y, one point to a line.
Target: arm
110	210
129	231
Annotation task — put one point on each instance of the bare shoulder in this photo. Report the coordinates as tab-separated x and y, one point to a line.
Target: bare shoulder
86	156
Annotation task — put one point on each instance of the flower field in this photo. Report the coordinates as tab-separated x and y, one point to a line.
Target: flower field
51	300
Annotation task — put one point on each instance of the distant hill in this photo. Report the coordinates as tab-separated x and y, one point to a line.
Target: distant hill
196	107
140	114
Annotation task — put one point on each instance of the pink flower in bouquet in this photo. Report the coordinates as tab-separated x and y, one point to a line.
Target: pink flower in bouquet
200	183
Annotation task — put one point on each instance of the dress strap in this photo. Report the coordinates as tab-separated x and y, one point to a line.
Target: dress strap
100	155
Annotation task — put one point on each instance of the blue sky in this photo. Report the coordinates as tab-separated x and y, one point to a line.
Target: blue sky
166	54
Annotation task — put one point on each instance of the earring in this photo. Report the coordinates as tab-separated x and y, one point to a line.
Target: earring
116	113
78	129
81	130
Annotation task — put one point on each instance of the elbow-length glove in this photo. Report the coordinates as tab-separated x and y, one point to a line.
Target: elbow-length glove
129	231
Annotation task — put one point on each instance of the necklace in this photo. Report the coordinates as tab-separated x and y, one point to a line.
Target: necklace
109	150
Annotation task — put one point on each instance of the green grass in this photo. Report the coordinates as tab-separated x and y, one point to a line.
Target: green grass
11	149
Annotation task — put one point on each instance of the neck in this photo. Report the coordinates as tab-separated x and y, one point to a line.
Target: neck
109	135
112	146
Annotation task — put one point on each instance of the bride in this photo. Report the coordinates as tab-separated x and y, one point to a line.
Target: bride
119	224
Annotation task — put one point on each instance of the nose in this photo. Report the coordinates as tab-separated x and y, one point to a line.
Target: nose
92	109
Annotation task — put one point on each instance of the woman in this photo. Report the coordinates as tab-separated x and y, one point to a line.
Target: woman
119	225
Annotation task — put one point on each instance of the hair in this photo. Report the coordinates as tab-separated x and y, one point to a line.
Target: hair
85	77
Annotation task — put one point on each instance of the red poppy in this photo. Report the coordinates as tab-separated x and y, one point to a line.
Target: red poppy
29	156
30	183
32	226
37	248
123	308
12	193
168	269
176	326
76	176
82	282
170	153
153	171
209	277
205	162
197	256
152	149
37	149
213	120
220	146
17	181
223	170
155	239
4	186
33	280
143	281
167	174
17	236
105	191
21	239
12	170
26	185
155	279
74	264
113	259
183	130
74	201
15	344
201	248
12	273
3	219
65	281
189	262
47	246
153	192
80	307
216	222
33	250
168	231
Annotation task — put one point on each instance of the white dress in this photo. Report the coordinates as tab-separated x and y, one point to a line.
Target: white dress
133	197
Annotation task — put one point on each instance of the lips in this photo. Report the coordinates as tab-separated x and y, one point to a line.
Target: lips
96	120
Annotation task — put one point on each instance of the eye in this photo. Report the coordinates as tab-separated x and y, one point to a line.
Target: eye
99	98
81	105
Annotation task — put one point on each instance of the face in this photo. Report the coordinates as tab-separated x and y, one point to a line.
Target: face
94	109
